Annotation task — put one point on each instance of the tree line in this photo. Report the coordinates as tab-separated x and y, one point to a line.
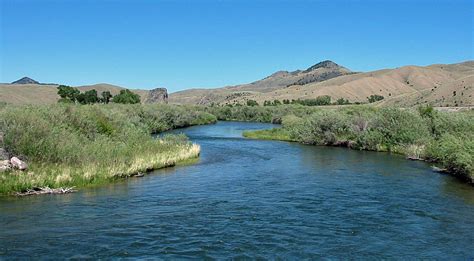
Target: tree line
70	94
318	101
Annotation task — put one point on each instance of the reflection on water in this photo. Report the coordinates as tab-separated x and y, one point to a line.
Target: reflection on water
253	199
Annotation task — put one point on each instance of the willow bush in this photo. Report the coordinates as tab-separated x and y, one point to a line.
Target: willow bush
67	144
423	133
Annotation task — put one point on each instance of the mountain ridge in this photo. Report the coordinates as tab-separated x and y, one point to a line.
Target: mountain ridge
437	84
25	80
401	86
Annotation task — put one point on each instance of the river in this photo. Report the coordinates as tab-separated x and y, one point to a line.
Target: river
253	199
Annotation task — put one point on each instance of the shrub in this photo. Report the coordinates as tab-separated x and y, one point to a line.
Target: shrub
68	144
252	103
126	97
342	101
375	98
455	153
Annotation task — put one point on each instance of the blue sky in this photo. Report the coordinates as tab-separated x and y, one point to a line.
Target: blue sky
187	44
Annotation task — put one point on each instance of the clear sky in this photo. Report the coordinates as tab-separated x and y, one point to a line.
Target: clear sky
185	44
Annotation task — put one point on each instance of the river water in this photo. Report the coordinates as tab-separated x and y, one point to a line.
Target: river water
253	199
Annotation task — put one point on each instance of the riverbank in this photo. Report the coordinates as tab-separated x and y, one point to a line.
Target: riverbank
302	201
76	146
444	138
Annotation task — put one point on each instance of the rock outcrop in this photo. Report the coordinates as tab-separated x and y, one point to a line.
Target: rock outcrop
25	80
158	95
18	164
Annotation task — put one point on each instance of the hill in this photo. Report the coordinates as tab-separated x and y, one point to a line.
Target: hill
279	80
28	93
47	93
114	89
440	85
25	80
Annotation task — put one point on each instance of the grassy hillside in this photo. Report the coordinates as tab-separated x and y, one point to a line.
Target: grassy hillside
440	85
28	94
446	85
37	94
279	80
113	89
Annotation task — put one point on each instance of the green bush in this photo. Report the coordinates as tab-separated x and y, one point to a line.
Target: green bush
455	153
442	137
68	144
319	101
126	97
375	98
252	103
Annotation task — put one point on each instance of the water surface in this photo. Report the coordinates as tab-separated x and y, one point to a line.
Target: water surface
254	199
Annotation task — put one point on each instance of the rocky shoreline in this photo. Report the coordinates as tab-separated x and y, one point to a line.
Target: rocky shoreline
8	163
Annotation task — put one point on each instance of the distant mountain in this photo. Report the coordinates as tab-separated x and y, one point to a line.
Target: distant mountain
439	84
324	64
25	80
279	80
322	71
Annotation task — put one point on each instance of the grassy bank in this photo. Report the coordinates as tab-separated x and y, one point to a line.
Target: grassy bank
272	134
441	137
72	145
260	113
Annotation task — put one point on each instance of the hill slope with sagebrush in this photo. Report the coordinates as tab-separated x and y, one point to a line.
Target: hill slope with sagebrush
440	85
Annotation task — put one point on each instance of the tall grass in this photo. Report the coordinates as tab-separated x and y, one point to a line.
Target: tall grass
259	113
71	145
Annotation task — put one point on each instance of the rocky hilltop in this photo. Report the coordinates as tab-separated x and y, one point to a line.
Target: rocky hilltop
321	71
157	95
25	80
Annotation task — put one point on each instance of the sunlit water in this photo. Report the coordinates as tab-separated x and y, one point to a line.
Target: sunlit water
255	199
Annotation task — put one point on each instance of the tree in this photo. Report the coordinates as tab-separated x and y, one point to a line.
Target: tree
67	93
323	100
126	97
276	102
252	103
88	97
374	98
106	96
342	101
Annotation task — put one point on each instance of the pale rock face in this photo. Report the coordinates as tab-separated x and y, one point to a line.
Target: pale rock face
158	95
18	164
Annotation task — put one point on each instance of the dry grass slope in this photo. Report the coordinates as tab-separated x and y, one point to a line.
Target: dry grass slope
38	94
440	85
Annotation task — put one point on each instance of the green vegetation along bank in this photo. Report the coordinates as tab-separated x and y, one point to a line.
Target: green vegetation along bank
77	145
445	138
